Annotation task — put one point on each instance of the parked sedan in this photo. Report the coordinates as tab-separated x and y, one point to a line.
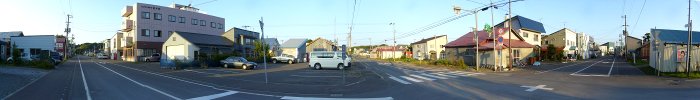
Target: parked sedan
153	57
239	62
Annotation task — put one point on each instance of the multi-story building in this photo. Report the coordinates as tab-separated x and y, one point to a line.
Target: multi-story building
564	38
105	46
115	45
529	30
584	45
145	27
242	40
429	48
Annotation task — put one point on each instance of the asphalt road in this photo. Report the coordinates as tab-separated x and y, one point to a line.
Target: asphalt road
602	78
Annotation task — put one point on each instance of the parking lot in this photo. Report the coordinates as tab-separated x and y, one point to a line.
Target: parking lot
606	66
284	78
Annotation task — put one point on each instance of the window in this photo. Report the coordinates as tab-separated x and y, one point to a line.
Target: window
146	15
157	33
172	18
157	16
202	23
145	32
182	19
516	53
194	21
525	34
537	37
174	39
196	55
221	26
212	25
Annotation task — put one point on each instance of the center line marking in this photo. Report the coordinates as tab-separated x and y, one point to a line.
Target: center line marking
82	73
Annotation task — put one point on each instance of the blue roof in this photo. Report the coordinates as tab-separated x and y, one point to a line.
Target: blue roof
675	36
525	23
293	43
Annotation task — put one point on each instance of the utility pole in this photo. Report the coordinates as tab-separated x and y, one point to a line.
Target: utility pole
624	38
393	51
262	31
67	30
690	31
510	28
495	58
476	40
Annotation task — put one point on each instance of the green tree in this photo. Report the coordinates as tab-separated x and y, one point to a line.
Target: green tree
259	50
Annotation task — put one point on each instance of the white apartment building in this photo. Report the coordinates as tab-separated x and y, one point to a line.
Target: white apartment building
585	45
146	27
429	48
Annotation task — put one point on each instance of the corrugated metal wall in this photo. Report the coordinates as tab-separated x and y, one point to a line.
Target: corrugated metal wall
668	58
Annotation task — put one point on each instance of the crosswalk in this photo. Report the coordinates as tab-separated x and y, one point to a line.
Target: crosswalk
423	77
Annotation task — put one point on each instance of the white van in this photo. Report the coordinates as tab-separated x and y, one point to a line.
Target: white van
329	59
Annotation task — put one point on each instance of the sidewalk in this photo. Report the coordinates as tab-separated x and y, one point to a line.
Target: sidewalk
15	78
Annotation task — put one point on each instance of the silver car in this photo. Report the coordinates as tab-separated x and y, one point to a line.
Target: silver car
239	62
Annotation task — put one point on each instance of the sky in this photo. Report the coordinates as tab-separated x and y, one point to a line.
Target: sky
97	20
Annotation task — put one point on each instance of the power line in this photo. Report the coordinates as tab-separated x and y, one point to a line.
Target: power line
639	16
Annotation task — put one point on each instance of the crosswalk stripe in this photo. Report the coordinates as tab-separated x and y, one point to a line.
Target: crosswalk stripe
465	74
421	77
399	80
433	76
411	79
442	74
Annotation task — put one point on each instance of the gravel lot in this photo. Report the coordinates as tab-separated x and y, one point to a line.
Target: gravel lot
14	78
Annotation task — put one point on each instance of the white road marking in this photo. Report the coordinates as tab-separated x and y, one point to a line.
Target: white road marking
441	74
82	73
139	83
421	77
599	75
316	76
586	67
533	88
194	82
465	74
399	80
315	98
540	72
197	71
214	96
433	76
611	67
411	79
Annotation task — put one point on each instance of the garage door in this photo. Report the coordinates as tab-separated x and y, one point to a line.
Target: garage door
176	52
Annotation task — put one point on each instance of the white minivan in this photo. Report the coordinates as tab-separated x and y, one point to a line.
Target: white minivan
329	59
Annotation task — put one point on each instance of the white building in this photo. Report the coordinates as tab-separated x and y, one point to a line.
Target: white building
115	44
32	46
296	48
429	48
145	27
189	46
386	52
585	46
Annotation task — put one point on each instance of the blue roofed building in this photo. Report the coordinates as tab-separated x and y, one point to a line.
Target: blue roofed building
528	30
668	50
